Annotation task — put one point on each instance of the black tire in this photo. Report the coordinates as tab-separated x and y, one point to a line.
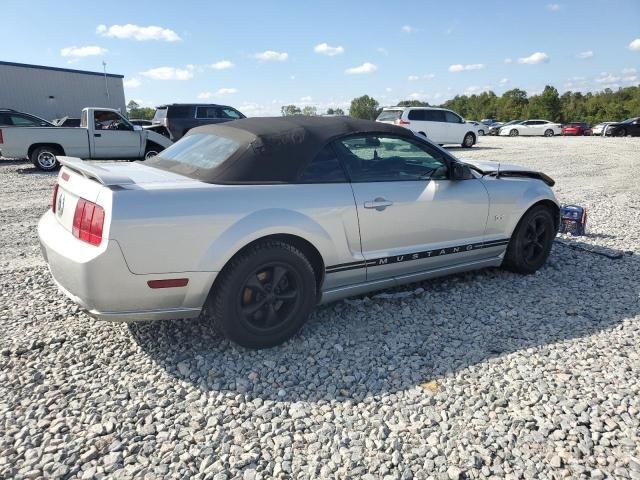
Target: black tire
481	133
151	151
531	241
620	133
514	132
248	309
469	140
44	158
548	132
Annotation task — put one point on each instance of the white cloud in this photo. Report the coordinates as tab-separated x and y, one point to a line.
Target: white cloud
137	32
554	7
362	69
413	78
508	60
222	65
503	81
326	49
409	29
534	58
218	93
388	89
416	96
272	56
306	99
628	70
382	51
429	76
607	78
585	54
89	51
635	45
461	68
168	73
474	90
132	82
630	78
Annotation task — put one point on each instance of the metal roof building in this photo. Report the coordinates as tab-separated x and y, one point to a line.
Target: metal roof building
51	92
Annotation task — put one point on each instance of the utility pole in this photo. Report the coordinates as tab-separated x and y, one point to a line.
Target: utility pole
106	85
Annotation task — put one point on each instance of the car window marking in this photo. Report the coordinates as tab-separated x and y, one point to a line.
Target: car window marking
416	256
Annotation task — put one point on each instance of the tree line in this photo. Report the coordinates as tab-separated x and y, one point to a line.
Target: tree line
514	104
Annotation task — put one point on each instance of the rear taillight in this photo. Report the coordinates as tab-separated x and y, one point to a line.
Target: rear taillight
1	138
55	197
402	122
88	221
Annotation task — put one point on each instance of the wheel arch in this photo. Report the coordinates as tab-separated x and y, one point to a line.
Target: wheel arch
34	146
546	202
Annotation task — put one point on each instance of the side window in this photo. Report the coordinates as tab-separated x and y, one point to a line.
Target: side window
452	117
380	158
434	116
4	119
325	168
208	112
106	120
20	121
417	115
230	113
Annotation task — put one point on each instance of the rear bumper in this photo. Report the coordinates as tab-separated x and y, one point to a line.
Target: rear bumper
99	280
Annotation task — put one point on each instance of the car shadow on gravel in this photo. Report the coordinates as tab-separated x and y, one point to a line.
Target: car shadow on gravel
36	171
471	149
408	336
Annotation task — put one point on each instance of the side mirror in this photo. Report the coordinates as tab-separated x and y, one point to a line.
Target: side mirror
460	172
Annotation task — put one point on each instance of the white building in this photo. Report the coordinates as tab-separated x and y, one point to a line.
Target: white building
51	92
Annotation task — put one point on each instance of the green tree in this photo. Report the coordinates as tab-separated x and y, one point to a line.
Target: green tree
364	107
287	110
310	111
513	104
142	113
412	103
335	111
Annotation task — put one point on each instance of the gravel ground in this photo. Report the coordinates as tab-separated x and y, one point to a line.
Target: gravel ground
482	375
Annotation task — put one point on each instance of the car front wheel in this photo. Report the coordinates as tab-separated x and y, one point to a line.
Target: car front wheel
263	295
514	133
531	242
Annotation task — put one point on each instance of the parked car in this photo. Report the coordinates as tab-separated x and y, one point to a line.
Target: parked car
599	128
576	128
254	222
441	126
13	118
494	129
481	128
140	122
630	127
66	122
532	127
176	119
103	133
488	121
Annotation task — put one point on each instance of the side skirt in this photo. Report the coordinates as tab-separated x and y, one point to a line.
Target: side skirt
365	287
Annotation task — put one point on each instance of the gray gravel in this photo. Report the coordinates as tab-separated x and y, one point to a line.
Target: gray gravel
482	375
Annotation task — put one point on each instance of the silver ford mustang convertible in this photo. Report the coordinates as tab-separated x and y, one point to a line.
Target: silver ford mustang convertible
252	223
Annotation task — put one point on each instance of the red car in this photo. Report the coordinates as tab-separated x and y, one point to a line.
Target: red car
577	128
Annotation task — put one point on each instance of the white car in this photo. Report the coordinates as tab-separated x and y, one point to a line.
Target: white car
599	128
532	128
439	125
481	128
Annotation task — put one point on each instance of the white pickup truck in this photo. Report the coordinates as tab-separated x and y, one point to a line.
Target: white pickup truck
103	133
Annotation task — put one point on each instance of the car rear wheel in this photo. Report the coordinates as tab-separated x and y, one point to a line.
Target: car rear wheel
531	242
514	133
481	133
468	140
621	133
44	158
263	295
548	133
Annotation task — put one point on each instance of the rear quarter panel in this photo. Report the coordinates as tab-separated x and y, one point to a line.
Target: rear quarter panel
199	227
18	140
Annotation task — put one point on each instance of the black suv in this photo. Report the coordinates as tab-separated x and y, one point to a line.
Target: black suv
176	119
12	118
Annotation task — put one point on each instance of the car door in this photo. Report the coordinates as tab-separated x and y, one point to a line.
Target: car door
538	127
455	126
113	136
435	123
412	217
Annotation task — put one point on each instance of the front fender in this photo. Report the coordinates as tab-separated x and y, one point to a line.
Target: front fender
262	223
537	192
157	138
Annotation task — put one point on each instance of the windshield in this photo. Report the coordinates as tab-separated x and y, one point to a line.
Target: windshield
160	115
630	120
389	115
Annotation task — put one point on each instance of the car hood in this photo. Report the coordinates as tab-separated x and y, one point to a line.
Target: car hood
486	167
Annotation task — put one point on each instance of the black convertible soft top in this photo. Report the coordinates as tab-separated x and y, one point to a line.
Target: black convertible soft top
274	149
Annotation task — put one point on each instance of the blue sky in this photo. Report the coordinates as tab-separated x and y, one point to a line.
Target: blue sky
260	55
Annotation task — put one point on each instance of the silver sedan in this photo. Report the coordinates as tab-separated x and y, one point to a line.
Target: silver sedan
254	222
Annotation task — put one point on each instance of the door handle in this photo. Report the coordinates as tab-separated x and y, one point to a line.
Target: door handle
97	134
379	204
